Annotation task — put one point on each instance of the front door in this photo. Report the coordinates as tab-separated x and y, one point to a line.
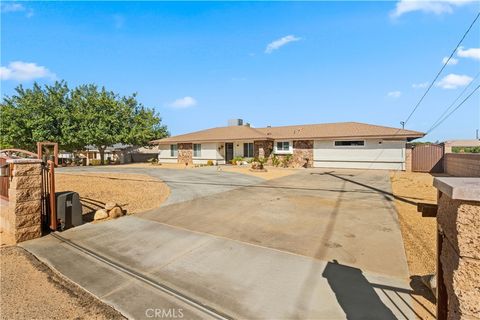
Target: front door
228	152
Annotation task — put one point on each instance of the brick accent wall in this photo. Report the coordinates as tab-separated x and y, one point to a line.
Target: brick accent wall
185	153
462	164
262	149
302	153
21	220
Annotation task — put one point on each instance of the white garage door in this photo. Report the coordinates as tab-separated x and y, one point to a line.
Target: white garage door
361	154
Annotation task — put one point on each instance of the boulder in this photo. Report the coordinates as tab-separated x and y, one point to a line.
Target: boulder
110	205
100	214
115	212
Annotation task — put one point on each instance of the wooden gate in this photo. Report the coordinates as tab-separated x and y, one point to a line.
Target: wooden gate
4	177
428	158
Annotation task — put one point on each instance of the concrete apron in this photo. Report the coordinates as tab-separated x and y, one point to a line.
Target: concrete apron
236	279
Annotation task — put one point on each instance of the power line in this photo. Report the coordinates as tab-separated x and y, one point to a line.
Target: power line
443	67
456	108
453	103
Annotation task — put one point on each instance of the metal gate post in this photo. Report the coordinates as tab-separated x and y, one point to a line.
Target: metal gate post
53	205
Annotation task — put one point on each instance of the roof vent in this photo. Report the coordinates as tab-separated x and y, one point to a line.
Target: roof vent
235	122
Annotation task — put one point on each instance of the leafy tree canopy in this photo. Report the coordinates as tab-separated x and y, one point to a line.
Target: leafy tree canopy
85	115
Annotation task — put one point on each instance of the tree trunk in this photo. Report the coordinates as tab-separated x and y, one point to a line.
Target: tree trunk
102	155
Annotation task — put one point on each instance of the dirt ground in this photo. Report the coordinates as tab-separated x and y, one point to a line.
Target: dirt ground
133	192
30	290
271	173
419	233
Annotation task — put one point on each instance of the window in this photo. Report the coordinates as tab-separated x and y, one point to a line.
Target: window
197	150
283	146
349	143
248	150
173	150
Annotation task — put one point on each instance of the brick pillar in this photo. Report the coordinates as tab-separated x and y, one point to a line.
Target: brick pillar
23	217
262	149
185	153
302	153
458	219
408	158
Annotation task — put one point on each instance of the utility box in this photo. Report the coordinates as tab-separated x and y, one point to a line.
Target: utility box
69	209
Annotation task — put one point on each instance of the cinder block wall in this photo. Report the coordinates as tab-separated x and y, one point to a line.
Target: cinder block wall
460	256
462	164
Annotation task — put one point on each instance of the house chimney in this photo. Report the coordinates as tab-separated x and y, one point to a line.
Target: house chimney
235	122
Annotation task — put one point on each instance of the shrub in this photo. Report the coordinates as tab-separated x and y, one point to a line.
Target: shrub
95	162
209	163
258	163
275	161
466	149
237	160
286	160
153	160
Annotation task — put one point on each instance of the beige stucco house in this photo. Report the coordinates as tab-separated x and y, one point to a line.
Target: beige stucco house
332	145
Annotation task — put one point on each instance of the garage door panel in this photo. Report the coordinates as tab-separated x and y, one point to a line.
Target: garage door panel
375	154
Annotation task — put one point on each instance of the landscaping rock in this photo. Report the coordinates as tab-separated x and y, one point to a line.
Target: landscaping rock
100	214
110	205
116	212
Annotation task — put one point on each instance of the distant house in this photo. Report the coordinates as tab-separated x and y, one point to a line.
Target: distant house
120	153
331	145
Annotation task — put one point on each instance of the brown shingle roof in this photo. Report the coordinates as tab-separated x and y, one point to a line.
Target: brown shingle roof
216	134
337	130
309	131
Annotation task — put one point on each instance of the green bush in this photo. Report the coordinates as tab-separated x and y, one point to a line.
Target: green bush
286	160
275	161
237	160
466	149
95	162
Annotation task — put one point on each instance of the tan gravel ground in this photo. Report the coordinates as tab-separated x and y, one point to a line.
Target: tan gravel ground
271	173
133	192
30	290
419	233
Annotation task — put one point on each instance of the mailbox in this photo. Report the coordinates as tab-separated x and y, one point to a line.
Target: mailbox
69	209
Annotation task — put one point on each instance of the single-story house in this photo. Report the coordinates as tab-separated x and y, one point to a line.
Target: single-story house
331	145
122	153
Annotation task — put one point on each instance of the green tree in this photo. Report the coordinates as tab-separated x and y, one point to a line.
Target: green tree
32	115
75	118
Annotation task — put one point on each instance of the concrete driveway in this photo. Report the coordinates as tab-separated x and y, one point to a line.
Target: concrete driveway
318	244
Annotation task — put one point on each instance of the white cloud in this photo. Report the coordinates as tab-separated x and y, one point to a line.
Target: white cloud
277	44
24	71
453	81
420	85
473	53
427	6
183	103
452	61
16	7
394	94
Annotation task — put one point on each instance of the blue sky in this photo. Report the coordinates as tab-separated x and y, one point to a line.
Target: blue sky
270	63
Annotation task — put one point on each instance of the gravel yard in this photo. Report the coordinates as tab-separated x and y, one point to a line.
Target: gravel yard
419	233
30	290
134	192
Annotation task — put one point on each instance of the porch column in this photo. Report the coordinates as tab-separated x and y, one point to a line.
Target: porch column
185	153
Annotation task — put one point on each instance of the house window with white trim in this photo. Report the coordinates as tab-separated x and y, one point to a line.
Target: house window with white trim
173	150
197	150
283	146
248	150
349	143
